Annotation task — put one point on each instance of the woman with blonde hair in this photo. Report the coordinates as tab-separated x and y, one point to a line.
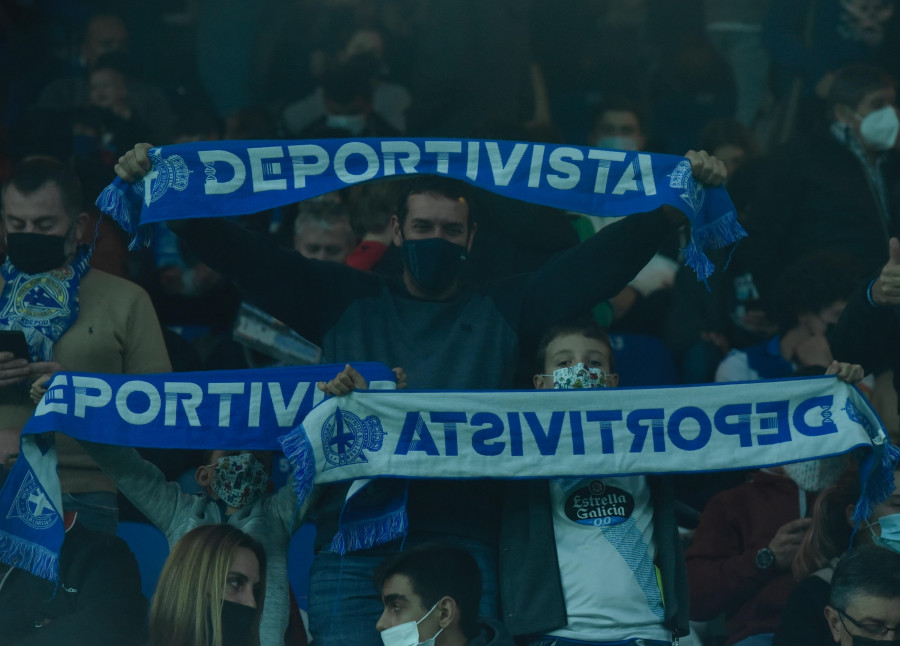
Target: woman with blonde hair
210	591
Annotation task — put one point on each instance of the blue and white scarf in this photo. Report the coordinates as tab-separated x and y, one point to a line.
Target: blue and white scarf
42	305
223	178
575	433
240	409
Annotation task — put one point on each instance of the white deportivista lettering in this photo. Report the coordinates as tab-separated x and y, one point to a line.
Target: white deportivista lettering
215	187
125	411
189	404
356	148
258	168
571	174
472	160
83	399
302	170
646	165
443	150
503	173
563	171
627	182
285	414
255	404
537	160
390	151
225	390
606	157
47	404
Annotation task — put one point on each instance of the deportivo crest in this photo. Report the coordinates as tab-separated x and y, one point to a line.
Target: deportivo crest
32	506
682	178
171	172
345	436
857	416
42	297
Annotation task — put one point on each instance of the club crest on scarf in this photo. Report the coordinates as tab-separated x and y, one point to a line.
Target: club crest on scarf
171	172
33	506
683	178
345	436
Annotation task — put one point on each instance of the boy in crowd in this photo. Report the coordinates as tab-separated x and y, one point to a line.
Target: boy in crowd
566	581
234	486
431	594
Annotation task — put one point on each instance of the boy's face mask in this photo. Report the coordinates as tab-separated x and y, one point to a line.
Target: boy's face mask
578	376
407	634
239	480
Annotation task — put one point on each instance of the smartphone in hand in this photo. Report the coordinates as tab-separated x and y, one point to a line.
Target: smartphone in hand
14	341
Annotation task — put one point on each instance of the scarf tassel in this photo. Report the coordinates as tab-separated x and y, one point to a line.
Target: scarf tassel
299	452
29	556
371	532
880	482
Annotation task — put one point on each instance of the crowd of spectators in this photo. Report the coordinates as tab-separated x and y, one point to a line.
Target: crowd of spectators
795	101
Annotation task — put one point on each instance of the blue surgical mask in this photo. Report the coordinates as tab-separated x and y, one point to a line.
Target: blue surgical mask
352	123
617	142
890	532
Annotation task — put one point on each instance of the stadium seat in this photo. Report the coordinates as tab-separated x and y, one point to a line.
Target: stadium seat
150	548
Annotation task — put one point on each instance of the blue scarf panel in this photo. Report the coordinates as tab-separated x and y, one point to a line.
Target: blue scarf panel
222	178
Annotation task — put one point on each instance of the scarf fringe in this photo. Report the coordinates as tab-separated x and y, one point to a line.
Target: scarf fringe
721	232
114	201
299	452
371	532
879	483
28	556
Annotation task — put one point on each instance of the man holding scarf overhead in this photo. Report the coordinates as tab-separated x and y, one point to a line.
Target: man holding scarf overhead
445	335
72	318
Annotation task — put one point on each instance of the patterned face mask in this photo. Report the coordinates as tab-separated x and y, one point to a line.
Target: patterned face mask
578	376
239	480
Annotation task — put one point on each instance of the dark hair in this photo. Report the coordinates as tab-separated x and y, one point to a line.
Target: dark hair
432	185
723	132
829	534
852	83
622	104
34	172
811	284
435	570
585	326
353	79
869	570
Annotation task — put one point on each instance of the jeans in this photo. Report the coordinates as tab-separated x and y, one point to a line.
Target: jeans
561	641
344	605
764	639
97	510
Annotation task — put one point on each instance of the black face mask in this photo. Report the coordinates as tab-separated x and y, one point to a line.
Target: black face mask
238	624
435	264
859	640
35	253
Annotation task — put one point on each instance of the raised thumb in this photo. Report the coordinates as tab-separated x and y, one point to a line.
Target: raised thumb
894	245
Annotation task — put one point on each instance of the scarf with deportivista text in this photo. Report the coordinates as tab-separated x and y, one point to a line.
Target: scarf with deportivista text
221	178
580	433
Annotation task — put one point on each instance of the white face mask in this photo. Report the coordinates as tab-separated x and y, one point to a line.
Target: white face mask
578	376
815	475
408	634
890	532
352	123
879	128
617	142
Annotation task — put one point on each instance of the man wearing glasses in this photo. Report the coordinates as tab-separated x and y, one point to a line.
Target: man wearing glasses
864	607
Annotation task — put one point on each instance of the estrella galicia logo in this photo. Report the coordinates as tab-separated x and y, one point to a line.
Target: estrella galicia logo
32	506
599	505
345	436
682	178
164	174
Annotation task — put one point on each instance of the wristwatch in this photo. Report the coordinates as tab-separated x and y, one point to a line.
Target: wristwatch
765	559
